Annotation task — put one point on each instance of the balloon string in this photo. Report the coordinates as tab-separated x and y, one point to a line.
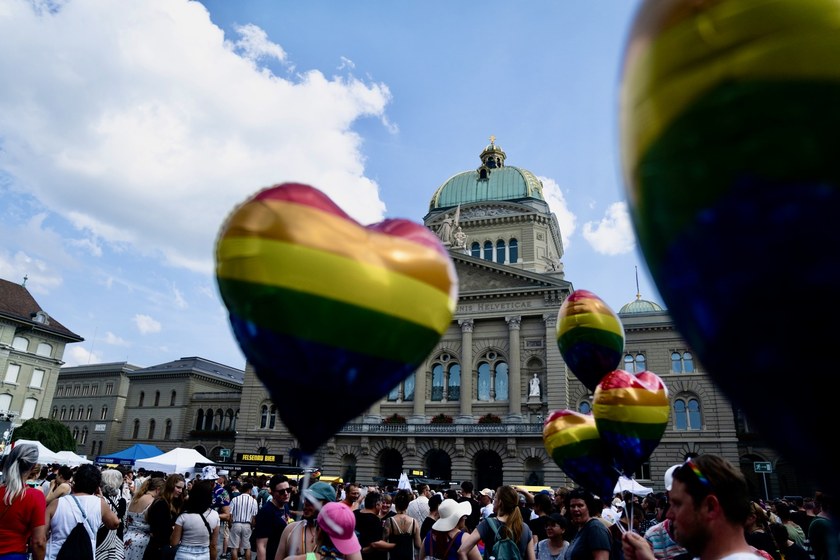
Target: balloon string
307	461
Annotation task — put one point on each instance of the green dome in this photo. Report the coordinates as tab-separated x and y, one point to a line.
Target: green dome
640	306
491	181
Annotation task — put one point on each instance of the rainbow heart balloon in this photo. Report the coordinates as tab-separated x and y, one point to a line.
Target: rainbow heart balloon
631	413
590	337
572	440
331	314
730	148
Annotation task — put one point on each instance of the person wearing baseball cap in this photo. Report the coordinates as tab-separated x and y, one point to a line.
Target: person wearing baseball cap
337	531
301	536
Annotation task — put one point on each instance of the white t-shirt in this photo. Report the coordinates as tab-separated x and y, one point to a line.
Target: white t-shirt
193	530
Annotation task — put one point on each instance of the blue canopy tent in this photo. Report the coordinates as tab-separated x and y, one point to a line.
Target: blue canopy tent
128	456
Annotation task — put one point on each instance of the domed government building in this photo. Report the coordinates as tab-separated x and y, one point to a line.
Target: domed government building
474	410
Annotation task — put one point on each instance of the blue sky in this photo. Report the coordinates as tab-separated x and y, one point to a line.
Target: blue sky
129	131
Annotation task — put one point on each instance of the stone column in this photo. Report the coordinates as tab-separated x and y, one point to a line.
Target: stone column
420	376
514	368
466	367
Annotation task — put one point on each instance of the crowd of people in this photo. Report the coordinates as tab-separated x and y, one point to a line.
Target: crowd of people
705	513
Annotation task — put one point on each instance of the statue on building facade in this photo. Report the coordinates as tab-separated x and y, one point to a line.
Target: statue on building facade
534	385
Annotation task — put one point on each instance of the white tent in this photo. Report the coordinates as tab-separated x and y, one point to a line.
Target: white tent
45	455
71	459
179	460
625	484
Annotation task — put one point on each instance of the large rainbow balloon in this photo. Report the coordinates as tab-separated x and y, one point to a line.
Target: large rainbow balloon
590	337
331	314
572	441
631	413
729	139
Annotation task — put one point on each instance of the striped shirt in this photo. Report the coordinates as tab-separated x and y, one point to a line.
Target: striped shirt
243	508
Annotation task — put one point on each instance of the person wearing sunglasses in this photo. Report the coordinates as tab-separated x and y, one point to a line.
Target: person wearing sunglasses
709	505
272	518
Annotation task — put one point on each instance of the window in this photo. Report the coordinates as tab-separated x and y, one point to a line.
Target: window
152	428
453	387
635	362
89	413
167	433
208	419
81	412
643	472
268	417
76	433
475	249
172	399
141	399
500	251
103	415
109	388
199	419
28	410
76	390
408	387
37	378
157	398
687	414
94	389
12	373
63	412
84	436
44	349
437	382
488	250
20	343
86	390
54	414
394	394
72	412
682	362
5	401
585	407
492	378
228	420
513	250
217	420
136	432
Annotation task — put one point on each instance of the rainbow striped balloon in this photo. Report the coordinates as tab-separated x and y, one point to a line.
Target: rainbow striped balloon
590	337
631	413
331	314
572	441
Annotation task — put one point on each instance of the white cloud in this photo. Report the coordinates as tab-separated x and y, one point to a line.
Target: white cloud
146	325
613	235
143	126
114	340
178	299
40	278
77	355
557	202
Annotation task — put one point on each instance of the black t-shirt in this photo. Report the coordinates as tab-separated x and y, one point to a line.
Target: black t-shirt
475	516
538	527
369	529
426	526
270	523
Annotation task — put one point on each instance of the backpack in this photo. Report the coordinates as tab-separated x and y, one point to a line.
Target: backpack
77	545
503	546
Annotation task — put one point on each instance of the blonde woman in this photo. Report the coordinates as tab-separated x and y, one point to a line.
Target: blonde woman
137	530
22	509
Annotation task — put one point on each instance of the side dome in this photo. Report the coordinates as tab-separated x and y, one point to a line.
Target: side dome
640	306
493	180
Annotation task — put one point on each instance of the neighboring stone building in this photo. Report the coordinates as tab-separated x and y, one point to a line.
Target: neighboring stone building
31	350
90	400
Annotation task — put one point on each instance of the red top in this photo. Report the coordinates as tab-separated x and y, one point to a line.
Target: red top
17	520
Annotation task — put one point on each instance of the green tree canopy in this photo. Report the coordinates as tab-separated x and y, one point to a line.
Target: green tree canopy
52	433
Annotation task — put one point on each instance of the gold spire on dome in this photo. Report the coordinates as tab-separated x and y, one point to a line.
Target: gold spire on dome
638	291
492	139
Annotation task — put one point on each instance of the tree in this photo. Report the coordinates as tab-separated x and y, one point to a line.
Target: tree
52	433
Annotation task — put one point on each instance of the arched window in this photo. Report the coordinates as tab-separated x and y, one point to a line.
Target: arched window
272	417
63	413
44	349
54	412
89	413
235	418
20	344
76	433
157	398
437	382
453	387
152	428
172	399
635	362
142	398
394	394
84	436
264	416
208	419
199	419
687	414
136	432
408	388
513	249
488	250
492	378
475	249
72	412
682	362
81	412
500	251
228	419
104	414
167	434
218	419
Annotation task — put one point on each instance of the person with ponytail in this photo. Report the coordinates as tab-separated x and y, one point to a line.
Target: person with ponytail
508	516
22	509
